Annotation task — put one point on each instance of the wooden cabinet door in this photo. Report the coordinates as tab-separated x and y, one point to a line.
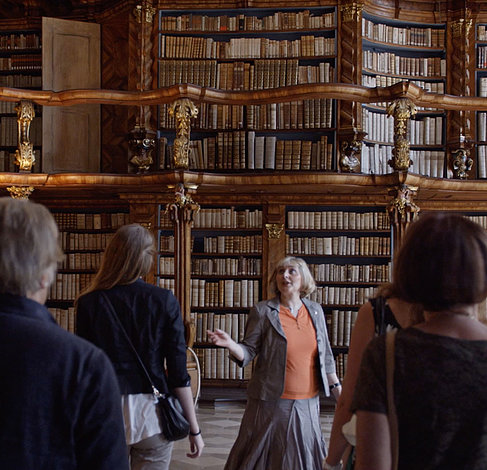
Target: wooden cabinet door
70	60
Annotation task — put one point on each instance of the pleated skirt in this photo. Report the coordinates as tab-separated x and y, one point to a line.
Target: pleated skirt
279	435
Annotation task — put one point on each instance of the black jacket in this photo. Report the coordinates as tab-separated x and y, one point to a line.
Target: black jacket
59	398
151	317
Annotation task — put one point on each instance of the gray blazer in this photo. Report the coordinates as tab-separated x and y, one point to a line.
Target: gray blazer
265	339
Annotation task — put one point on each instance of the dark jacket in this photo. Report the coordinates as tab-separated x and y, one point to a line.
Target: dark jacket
152	318
265	339
59	398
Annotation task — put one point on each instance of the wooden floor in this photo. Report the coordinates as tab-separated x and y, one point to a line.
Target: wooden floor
219	424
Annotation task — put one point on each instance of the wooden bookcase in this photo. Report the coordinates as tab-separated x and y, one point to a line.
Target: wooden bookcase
394	51
251	49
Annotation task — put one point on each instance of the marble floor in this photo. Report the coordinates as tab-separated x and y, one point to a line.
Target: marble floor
219	424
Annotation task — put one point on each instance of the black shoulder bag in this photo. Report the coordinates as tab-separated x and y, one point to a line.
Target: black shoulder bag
174	425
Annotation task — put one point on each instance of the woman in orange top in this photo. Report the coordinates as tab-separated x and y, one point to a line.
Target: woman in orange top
287	335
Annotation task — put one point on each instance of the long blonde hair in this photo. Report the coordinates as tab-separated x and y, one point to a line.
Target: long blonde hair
128	256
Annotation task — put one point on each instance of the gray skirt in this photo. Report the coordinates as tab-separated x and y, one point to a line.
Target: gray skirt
279	435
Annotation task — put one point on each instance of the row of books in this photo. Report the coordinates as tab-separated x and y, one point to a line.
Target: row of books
85	241
90	221
482	57
306	114
334	295
215	364
232	323
224	293
481	32
428	163
233	244
191	47
378	126
482	161
341	365
240	266
233	151
8	107
7	161
339	246
65	317
374	159
388	62
20	41
21	62
262	73
21	81
90	261
278	21
337	220
68	286
373	81
166	243
408	36
340	327
9	131
479	219
227	217
351	272
482	126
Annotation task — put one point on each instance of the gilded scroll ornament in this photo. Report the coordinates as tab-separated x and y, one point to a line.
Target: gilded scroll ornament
402	109
402	207
24	155
182	201
183	110
20	192
463	24
274	230
352	11
461	163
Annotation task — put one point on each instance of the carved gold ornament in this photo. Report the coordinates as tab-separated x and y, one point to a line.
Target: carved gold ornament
274	230
461	163
183	110
402	110
20	192
352	11
402	205
144	12
24	155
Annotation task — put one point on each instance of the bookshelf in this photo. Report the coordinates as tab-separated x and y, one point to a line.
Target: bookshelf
84	235
348	251
165	252
251	49
481	80
20	67
395	51
226	278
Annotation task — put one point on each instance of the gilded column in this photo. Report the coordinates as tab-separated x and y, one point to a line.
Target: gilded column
182	212
183	110
402	211
402	109
24	155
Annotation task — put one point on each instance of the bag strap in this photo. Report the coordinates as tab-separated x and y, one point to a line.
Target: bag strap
391	409
111	309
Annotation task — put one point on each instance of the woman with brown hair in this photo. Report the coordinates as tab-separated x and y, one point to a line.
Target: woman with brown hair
440	375
152	319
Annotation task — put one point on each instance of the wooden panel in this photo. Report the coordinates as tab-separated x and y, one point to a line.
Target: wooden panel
71	60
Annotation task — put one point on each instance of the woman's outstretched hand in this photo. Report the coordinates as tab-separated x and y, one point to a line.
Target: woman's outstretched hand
220	338
223	339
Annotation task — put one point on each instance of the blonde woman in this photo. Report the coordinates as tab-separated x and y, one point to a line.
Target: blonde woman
287	336
152	319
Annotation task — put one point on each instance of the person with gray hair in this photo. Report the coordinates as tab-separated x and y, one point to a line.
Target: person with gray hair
287	337
59	406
